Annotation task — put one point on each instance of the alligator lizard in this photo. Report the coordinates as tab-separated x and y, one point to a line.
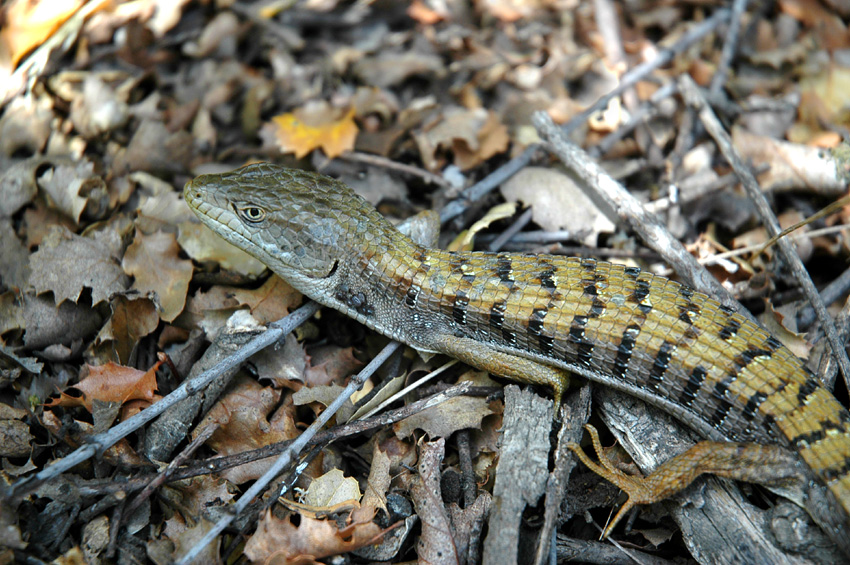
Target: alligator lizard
536	318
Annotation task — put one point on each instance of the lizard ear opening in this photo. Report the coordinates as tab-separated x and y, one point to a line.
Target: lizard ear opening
333	269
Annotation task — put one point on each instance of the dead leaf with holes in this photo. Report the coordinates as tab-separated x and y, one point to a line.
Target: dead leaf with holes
155	263
281	541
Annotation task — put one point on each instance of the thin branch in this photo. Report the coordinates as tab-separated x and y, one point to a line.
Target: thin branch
101	442
632	213
694	98
288	456
630	79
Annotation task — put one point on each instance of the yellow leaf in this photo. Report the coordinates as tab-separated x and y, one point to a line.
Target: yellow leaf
464	240
300	134
28	24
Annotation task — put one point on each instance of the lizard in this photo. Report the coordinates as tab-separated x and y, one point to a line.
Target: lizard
538	318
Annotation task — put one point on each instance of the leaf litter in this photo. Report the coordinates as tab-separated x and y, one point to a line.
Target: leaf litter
109	282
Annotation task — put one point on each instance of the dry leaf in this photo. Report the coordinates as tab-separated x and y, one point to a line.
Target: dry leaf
131	320
155	263
315	126
330	364
201	244
388	69
796	342
243	415
332	489
499	212
66	263
111	383
74	187
557	203
280	541
458	413
186	536
210	310
473	136
27	24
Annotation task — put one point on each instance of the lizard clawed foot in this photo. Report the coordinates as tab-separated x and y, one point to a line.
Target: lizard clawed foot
638	489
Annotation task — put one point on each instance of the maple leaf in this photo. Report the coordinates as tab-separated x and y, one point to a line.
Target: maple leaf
315	127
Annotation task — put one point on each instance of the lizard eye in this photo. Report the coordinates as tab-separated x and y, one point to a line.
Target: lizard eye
252	214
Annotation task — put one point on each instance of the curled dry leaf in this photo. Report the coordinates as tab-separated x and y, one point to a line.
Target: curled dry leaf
155	263
66	263
131	320
210	310
473	136
774	321
28	24
557	203
73	187
111	383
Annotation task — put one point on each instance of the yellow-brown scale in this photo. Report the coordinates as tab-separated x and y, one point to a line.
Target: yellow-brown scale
750	399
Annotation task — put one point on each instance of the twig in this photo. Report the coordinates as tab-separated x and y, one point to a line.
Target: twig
694	98
644	112
730	46
162	477
224	462
832	292
512	230
630	79
380	161
100	442
285	458
632	213
760	246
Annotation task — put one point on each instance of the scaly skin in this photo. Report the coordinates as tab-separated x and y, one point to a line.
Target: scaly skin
534	318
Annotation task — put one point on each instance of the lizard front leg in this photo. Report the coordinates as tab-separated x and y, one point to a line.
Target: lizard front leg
516	368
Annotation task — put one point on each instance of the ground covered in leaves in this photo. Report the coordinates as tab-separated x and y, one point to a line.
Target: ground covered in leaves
113	294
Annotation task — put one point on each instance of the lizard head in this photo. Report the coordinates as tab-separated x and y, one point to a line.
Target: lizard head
296	222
